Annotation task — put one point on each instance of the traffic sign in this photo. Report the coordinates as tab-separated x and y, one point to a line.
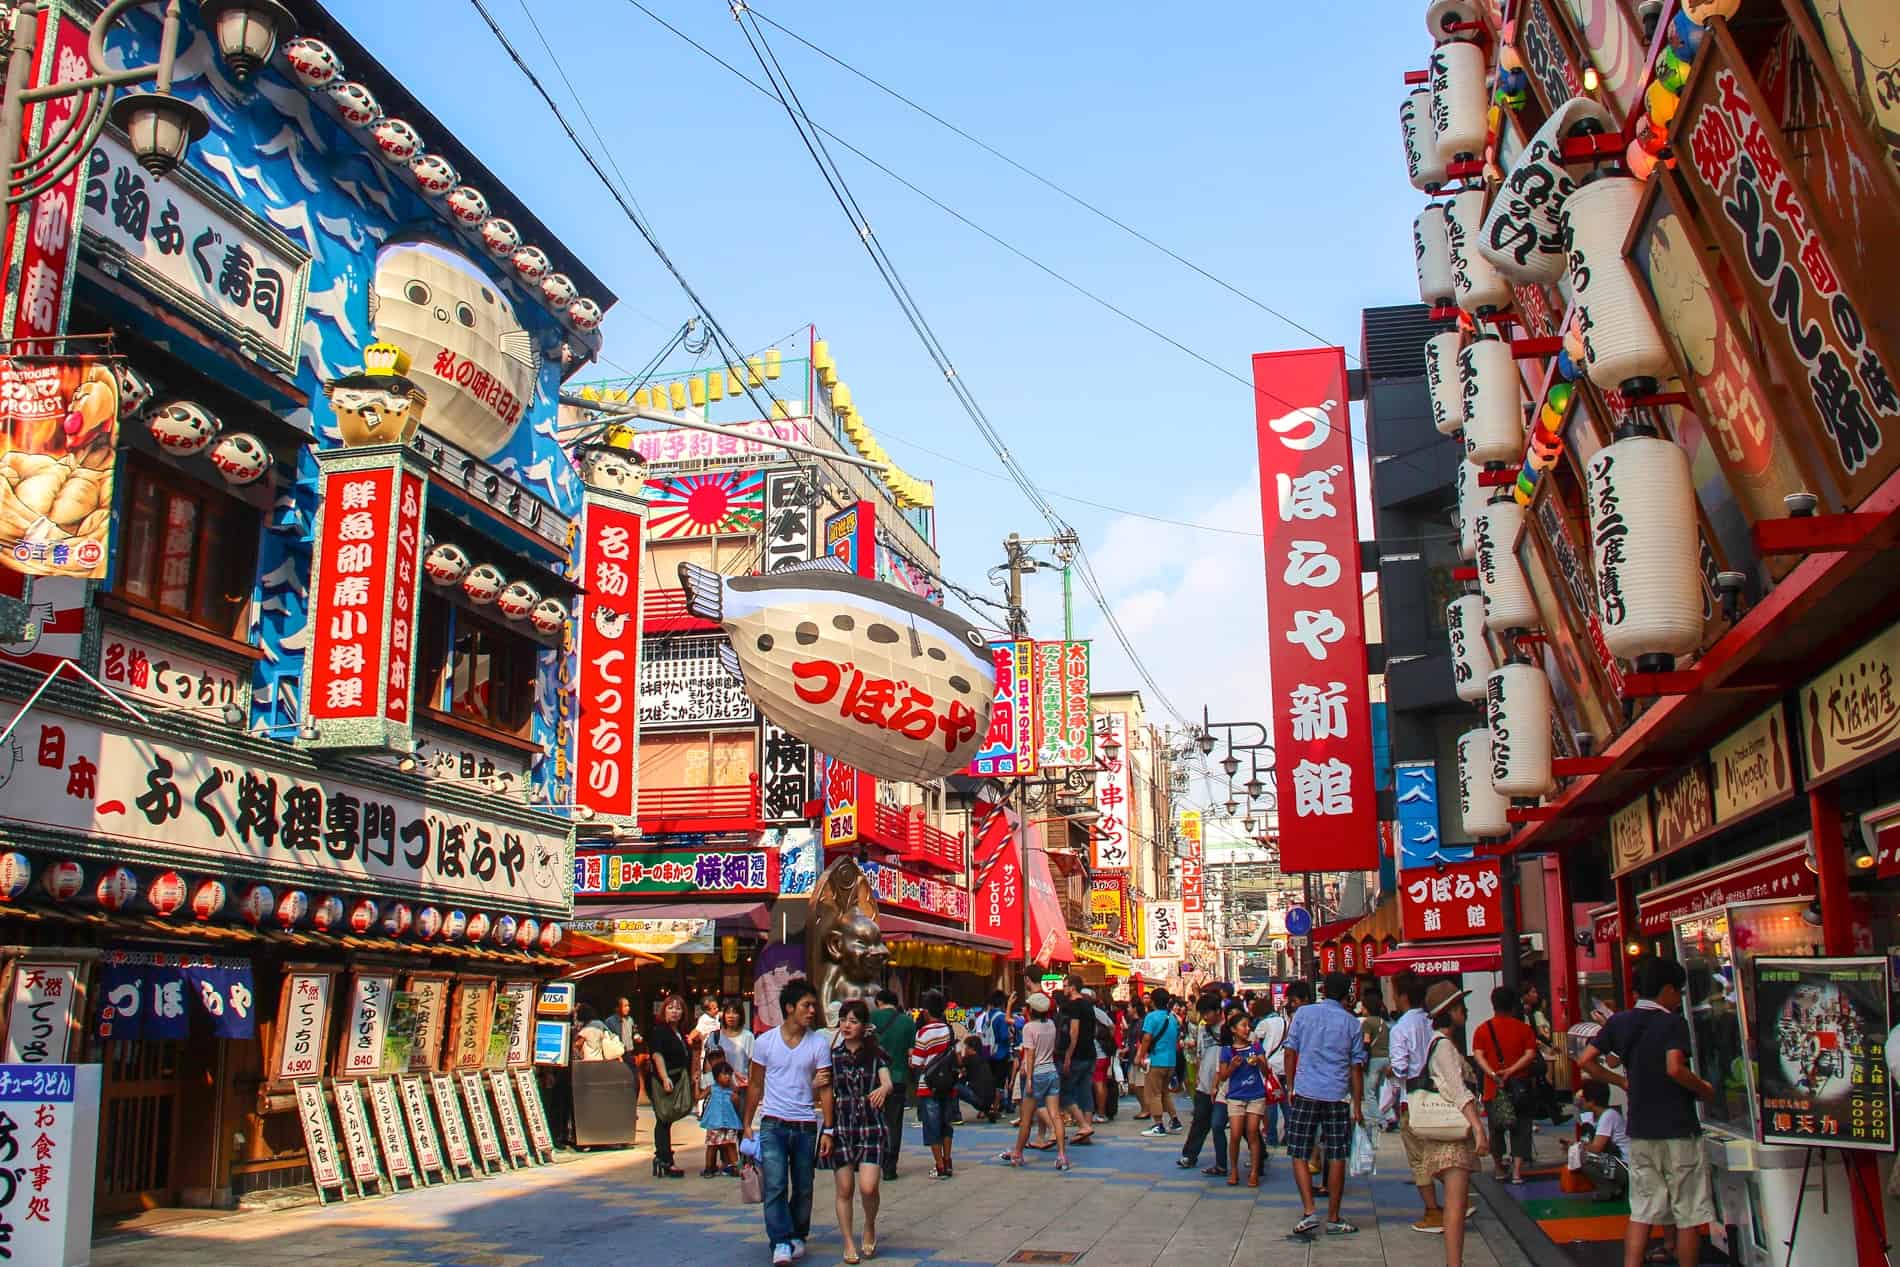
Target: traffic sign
1299	921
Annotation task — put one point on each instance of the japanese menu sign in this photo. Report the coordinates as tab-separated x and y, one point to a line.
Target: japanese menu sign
39	242
785	775
415	1109
469	1025
1821	1063
151	994
509	1114
534	1113
113	789
1009	747
520	1022
370	1006
1163	933
358	1145
305	1022
1322	728
41	1011
728	871
386	1116
682	683
319	1138
454	1127
1458	901
997	874
143	671
481	1122
1109	840
906	890
1063	734
607	738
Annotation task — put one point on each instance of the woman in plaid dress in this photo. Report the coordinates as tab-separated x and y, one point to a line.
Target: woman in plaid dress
860	1081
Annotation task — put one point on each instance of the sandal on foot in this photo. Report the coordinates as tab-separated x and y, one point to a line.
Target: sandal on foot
1341	1228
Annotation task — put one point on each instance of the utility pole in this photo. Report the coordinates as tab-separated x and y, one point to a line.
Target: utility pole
1019	561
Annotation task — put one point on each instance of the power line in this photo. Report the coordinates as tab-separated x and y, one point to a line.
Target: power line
1040	179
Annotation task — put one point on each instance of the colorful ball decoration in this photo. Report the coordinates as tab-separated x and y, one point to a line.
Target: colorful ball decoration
428	923
434	174
500	237
1660	102
477	927
396	141
1624	346
1514	88
167	894
551	936
1508	603
527	932
1671	71
16	874
208	899
397	919
1643	532
353	102
1458	100
1471	661
584	315
256	904
549	616
445	563
1431	252
327	913
1493	402
1480	287
362	917
291	908
559	290
1482	809
1685	37
532	263
483	584
1518	704
454	925
63	880
467	205
517	599
1642	163
313	62
241	458
117	889
184	428
505	930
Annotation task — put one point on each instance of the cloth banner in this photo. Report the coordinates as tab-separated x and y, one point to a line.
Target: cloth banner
151	994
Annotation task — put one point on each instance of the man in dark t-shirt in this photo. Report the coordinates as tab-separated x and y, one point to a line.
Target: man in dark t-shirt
1075	1057
1669	1176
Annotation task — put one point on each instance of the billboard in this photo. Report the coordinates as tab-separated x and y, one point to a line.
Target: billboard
1109	841
607	736
1009	746
1061	686
59	436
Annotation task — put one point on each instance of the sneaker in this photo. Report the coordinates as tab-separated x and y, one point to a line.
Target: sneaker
798	1250
1157	1131
1433	1222
1307	1225
1098	1119
781	1255
1174	1124
1218	1172
1185	1163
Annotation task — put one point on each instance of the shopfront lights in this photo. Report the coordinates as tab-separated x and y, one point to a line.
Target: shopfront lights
248	32
1633	949
406	763
1591	79
1232	807
160	127
1255	787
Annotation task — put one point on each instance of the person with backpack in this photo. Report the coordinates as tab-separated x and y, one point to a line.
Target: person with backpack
1104	1059
1155	1059
1505	1048
933	1064
896	1032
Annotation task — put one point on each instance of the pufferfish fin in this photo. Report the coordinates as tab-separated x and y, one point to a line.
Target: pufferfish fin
730	659
705	591
518	346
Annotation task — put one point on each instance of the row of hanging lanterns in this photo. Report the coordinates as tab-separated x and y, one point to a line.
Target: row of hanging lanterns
907	489
448	566
119	888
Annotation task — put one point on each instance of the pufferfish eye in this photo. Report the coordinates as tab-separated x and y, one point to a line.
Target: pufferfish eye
465	315
416	292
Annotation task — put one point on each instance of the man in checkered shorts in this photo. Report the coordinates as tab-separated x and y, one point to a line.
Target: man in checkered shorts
1326	1064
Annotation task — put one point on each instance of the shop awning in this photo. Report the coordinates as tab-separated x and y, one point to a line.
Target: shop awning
1439	958
1048	933
1779	871
1088	950
921	931
729	917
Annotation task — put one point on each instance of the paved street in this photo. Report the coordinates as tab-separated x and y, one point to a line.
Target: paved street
1125	1205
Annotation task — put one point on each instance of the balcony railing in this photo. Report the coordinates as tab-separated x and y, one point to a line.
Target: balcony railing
664	611
727	807
903	829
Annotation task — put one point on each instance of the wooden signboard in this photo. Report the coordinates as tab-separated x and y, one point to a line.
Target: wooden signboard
480	1121
1684	809
303	1023
319	1141
358	1144
1751	769
455	1144
521	1023
386	1114
535	1113
422	1136
45	1006
361	1053
432	1014
470	1017
1632	838
513	1136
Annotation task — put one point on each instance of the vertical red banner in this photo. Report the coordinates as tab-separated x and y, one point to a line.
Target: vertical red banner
349	587
1322	725
998	909
403	599
40	235
607	734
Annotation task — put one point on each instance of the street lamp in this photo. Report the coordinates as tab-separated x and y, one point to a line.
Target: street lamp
1111	749
248	32
159	125
1205	742
1230	763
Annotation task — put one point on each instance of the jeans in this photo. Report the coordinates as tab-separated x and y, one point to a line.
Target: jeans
1377	1069
934	1115
1210	1116
969	1097
788	1152
1273	1132
1517	1135
894	1104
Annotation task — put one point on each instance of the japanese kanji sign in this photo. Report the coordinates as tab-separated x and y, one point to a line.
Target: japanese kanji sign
908	891
1009	747
146	671
1109	840
151	995
41	1012
1162	931
304	1020
1193	893
364	589
39	240
1063	734
719	871
683	684
785	775
1456	901
1821	1066
788	518
998	875
370	1004
319	1136
668	448
1322	729
851	537
607	734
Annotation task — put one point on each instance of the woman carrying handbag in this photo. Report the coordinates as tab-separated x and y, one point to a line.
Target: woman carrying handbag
1444	1115
669	1082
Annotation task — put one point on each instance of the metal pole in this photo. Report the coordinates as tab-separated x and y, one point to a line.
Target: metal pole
1068	602
1507	909
13	108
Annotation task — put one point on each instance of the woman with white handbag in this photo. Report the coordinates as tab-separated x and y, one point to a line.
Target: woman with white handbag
1444	1114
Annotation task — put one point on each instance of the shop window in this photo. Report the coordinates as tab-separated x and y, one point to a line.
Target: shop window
474	669
186	550
723	758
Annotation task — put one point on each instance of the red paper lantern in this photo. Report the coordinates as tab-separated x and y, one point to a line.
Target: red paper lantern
362	916
477	928
526	933
208	899
117	889
63	880
292	907
167	894
256	903
550	937
326	913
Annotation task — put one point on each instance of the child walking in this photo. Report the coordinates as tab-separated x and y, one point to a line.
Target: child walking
1241	1070
722	1124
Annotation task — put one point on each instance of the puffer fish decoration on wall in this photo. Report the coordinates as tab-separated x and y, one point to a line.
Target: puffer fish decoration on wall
860	670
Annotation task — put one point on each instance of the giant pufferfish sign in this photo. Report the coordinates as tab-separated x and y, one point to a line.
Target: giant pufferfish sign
863	671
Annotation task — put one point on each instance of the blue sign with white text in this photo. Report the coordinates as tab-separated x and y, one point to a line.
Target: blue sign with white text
1420	841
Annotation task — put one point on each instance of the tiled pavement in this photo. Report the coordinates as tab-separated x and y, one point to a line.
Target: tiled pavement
1124	1205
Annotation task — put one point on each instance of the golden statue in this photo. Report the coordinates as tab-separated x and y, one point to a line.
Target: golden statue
846	948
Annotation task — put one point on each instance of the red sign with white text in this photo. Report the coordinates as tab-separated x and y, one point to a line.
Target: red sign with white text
607	733
37	305
355	548
1459	900
1322	726
402	607
999	877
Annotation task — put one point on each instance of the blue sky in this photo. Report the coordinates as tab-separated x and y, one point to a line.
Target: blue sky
1260	141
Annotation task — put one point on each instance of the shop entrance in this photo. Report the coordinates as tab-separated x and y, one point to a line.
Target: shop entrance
138	1124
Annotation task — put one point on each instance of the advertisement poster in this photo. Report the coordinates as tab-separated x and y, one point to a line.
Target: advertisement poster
1009	748
59	436
1821	1043
399	1040
1114	796
1063	734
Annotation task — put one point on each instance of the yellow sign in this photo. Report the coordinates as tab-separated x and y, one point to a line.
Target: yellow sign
1631	838
1191	828
1751	767
1852	712
654	936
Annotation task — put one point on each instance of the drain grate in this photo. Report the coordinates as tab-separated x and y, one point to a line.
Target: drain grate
1058	1257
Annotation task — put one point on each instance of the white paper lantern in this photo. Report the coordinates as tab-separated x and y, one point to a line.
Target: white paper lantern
1442	15
1431	252
1480	287
1471	659
1482	809
1620	340
117	889
167	893
327	913
1442	383
1508	604
291	908
1643	533
1470	506
476	928
505	930
1458	100
1523	231
1493	400
63	880
208	899
1423	166
16	874
1518	700
256	904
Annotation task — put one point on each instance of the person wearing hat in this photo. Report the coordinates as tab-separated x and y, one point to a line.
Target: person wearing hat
1038	1056
1446	1071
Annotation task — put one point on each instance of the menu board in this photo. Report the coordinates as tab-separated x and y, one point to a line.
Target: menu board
454	1129
386	1115
508	1113
415	1107
1821	1063
480	1121
358	1145
535	1113
319	1139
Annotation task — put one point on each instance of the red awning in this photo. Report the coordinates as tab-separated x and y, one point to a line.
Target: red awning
1048	933
897	928
1439	958
1779	871
1323	933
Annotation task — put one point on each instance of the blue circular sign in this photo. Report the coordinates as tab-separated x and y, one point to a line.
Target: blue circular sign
1299	921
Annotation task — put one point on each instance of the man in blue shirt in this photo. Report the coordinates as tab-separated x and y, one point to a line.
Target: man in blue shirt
1326	1064
1160	1051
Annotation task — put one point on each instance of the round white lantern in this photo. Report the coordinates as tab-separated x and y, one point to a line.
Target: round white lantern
1458	100
326	913
313	62
1470	506
167	893
475	928
1422	165
362	916
428	923
1523	231
1431	251
1471	661
505	930
1480	287
63	880
1508	603
208	899
16	874
1643	533
1518	700
1483	810
1441	381
117	889
291	908
184	427
1620	340
1493	400
517	600
1442	15
550	937
241	458
549	616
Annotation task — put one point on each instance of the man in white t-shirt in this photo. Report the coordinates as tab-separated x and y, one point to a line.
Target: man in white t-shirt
791	1082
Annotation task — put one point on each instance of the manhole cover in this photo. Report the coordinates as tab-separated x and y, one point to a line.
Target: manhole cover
1056	1256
